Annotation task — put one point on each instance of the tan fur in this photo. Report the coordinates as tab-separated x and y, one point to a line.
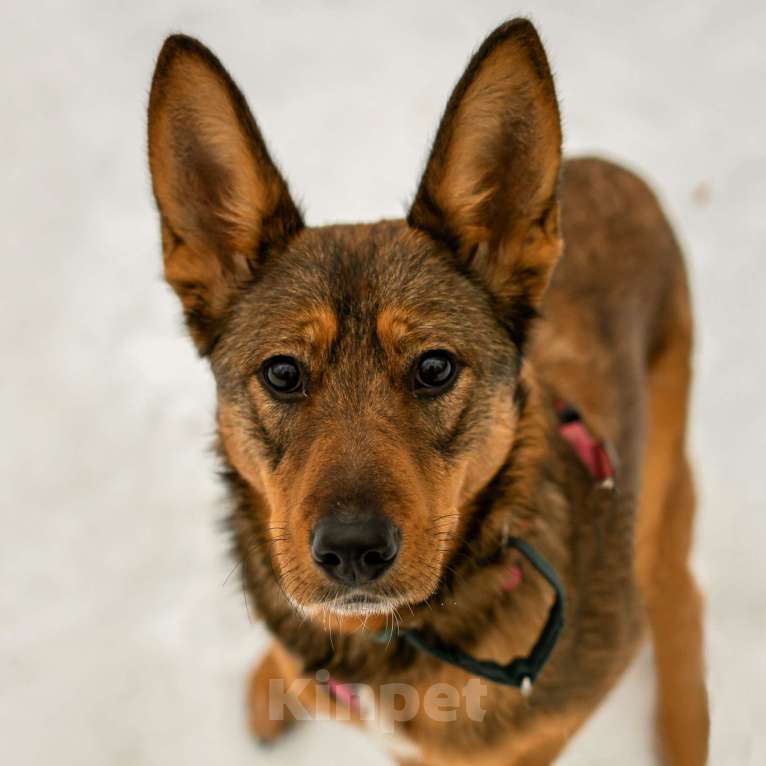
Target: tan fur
663	543
276	665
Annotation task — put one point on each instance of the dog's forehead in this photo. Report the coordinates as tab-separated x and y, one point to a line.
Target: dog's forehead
362	266
358	273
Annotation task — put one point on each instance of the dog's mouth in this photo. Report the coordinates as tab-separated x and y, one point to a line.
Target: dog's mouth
353	604
357	604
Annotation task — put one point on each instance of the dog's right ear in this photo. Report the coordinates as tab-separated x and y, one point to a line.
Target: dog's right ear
221	199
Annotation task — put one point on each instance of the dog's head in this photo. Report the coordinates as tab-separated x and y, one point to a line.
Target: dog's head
365	373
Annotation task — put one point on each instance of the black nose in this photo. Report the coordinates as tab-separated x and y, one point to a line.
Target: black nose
354	552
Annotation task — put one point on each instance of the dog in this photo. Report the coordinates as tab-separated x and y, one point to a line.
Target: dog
454	456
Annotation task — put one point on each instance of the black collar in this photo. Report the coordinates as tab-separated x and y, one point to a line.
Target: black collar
521	671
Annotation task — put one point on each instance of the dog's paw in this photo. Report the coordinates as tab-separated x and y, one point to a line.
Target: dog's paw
265	726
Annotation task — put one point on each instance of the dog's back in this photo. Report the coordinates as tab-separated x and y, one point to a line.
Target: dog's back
616	339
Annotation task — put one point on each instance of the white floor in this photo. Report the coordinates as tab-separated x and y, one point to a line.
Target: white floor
121	640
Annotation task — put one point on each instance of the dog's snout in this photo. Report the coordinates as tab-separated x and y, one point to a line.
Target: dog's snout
354	552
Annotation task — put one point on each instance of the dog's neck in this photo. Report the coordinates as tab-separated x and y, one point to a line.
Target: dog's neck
525	498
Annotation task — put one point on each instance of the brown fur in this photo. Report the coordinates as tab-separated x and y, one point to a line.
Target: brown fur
467	273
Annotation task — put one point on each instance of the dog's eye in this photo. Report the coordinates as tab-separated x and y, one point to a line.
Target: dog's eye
282	375
434	371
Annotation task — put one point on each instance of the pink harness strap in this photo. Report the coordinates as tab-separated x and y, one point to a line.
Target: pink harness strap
595	455
345	693
511	578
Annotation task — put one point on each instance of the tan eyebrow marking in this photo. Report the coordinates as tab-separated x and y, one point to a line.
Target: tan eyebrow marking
319	328
392	326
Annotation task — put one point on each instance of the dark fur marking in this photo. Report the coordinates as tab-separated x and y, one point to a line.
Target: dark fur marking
520	396
447	444
274	450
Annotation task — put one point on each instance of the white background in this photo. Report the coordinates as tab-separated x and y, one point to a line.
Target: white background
121	642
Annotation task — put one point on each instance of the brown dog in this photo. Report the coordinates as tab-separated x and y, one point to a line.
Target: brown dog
387	412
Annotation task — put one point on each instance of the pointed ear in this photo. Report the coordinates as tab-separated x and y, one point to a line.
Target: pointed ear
221	199
490	185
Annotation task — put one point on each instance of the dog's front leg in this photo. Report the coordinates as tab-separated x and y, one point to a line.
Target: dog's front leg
271	704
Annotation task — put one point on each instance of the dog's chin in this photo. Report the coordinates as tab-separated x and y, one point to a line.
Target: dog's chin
360	608
352	605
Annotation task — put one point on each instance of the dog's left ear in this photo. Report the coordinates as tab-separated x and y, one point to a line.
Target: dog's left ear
490	185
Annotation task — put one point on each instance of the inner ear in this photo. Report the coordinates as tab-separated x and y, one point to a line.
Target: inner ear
222	201
490	184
